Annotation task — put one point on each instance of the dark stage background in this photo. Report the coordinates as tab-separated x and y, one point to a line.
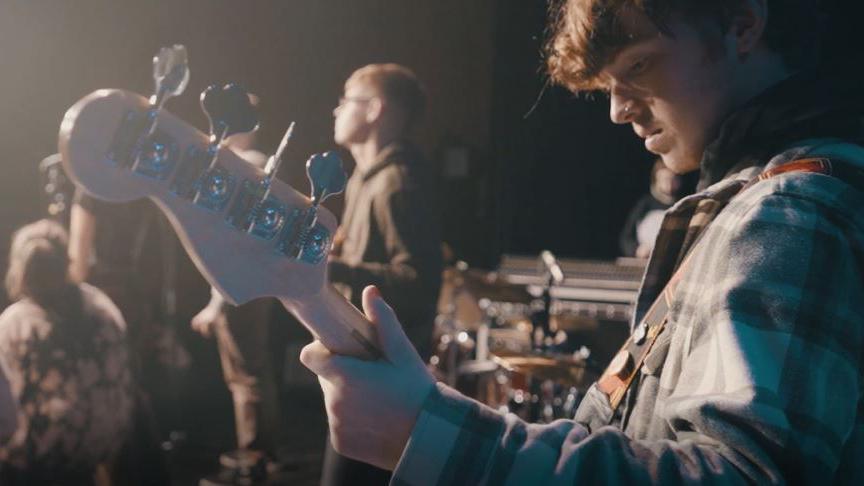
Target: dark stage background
557	176
514	181
522	172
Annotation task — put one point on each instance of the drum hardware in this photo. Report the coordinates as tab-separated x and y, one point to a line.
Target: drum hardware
544	403
56	186
513	355
591	289
544	384
457	350
489	285
545	336
472	322
565	368
539	387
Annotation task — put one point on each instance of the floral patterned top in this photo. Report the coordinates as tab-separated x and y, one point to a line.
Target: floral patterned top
72	383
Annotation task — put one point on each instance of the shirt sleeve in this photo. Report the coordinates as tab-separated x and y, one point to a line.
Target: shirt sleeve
768	390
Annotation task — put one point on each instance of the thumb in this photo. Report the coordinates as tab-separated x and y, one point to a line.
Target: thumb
391	337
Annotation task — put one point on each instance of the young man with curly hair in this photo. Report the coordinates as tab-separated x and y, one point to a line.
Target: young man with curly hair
748	369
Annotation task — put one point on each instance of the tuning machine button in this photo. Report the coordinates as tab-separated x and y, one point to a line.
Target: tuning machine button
137	143
326	176
230	111
170	74
303	237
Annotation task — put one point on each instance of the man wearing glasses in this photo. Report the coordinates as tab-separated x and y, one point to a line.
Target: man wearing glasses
390	232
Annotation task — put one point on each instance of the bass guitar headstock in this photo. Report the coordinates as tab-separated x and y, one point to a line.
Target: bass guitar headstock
248	233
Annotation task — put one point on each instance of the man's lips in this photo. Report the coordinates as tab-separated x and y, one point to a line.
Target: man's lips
653	141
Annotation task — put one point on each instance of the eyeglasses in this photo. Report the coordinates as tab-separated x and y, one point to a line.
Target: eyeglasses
352	99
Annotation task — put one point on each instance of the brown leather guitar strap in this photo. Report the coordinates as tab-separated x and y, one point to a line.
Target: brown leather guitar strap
626	364
622	370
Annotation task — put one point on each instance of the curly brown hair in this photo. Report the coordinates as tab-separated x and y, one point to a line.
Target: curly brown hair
584	35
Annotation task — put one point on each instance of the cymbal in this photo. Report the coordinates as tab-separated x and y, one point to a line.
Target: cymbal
462	289
563	368
487	285
564	321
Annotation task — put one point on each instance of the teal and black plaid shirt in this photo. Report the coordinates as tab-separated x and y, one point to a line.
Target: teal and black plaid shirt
756	379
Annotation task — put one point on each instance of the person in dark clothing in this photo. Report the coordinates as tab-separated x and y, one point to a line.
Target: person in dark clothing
130	252
390	232
243	336
643	222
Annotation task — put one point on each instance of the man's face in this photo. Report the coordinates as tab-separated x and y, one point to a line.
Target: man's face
672	90
352	124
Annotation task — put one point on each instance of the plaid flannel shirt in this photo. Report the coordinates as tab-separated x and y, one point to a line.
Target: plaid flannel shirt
757	377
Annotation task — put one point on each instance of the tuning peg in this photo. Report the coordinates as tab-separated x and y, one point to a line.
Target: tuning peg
275	160
170	72
229	111
266	215
326	176
309	241
135	144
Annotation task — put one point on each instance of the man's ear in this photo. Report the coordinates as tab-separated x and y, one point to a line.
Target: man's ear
748	25
374	110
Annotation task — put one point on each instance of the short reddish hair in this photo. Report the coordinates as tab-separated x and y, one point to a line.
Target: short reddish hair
398	85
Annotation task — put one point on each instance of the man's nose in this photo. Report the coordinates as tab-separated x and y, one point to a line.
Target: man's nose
621	108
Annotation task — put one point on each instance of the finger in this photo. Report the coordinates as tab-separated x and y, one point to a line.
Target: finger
333	367
203	328
391	336
314	356
321	361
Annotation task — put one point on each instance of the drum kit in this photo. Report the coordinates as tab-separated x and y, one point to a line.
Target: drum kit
509	348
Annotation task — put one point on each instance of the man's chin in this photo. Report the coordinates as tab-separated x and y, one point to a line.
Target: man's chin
678	165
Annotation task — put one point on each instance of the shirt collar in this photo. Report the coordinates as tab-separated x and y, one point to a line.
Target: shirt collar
812	103
384	158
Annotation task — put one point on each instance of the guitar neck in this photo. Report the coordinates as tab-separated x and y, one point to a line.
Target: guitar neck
334	321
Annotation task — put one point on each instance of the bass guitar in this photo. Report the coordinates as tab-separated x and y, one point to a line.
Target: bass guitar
249	234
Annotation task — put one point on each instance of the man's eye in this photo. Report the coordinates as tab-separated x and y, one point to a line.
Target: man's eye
639	67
